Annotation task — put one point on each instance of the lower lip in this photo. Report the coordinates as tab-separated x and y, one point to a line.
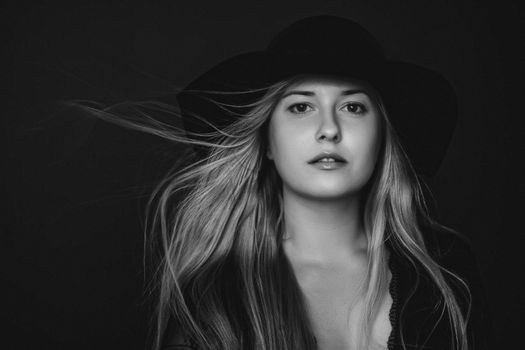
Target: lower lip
328	165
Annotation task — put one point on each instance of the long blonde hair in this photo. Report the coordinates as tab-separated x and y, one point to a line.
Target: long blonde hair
222	277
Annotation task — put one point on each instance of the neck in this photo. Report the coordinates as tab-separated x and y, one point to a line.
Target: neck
324	231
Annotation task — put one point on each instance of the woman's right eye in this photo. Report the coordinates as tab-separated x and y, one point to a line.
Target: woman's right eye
299	108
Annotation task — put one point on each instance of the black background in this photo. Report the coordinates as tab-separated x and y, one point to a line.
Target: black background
75	186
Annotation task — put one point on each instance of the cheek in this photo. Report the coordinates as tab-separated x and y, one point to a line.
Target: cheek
367	145
373	145
287	151
282	141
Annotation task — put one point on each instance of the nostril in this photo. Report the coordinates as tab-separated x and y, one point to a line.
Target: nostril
324	136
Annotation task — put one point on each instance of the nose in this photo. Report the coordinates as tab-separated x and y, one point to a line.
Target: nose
329	128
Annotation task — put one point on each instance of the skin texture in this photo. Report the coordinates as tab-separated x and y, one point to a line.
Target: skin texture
302	126
324	239
322	207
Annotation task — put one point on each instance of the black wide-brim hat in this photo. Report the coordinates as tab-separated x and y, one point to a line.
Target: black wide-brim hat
420	103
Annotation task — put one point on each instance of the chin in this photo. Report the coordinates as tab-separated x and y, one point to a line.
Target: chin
339	193
330	191
322	186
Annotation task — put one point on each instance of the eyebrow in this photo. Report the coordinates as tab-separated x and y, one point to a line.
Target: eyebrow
311	93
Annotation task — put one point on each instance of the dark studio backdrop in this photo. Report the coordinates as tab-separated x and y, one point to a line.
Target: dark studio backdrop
72	243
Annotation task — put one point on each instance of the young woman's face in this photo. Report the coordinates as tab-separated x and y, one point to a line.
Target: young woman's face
321	117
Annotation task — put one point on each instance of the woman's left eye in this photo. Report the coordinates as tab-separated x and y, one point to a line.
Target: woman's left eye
356	108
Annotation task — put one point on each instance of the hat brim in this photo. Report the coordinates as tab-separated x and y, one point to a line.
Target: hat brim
420	103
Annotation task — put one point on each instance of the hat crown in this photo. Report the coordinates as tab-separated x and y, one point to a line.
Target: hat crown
325	35
421	104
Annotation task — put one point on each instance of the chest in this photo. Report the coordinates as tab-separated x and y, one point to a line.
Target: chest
334	306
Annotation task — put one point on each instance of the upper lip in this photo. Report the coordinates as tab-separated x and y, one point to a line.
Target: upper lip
322	155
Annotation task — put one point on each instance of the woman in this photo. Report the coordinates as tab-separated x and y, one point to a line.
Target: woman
300	223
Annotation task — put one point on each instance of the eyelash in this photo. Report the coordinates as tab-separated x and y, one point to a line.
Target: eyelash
360	106
292	107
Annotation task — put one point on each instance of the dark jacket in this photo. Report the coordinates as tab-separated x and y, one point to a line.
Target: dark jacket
418	313
415	312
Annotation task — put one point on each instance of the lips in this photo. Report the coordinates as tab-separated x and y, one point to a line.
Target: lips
327	157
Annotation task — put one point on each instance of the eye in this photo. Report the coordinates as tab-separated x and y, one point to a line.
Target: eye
355	107
299	108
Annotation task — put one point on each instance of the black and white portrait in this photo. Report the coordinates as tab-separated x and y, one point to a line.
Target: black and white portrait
302	175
